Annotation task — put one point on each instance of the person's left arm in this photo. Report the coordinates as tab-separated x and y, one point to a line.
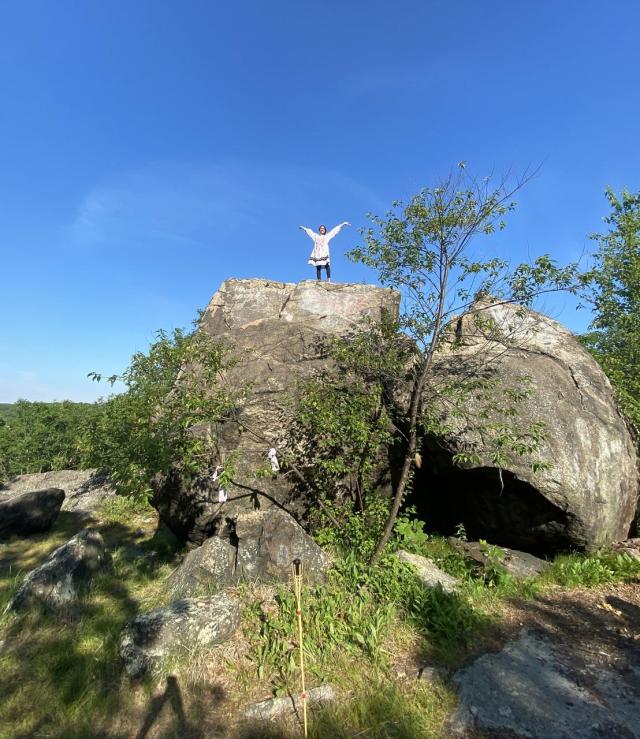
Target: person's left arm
336	229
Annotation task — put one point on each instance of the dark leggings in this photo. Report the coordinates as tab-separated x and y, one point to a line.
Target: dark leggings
319	271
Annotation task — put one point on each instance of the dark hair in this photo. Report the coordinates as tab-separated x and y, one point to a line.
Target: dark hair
322	226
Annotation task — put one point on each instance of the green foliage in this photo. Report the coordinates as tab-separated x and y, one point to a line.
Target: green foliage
174	397
357	532
614	337
7	412
343	420
422	248
38	437
410	532
355	612
494	571
591	570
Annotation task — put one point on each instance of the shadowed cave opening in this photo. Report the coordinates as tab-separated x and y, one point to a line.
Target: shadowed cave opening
510	513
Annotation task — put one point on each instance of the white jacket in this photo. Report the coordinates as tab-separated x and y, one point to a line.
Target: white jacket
320	255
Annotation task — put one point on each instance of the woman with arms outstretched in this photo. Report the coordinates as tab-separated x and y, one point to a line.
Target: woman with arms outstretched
320	255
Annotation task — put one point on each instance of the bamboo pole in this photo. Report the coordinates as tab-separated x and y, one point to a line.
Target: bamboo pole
297	588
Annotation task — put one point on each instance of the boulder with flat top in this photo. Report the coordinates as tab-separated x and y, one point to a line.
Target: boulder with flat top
278	333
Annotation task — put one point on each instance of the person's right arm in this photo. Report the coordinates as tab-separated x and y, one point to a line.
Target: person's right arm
310	233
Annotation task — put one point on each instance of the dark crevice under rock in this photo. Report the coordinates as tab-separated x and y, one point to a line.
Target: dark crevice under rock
509	512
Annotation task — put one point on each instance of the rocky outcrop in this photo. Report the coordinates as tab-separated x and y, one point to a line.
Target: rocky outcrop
59	579
259	544
85	490
181	627
29	512
531	688
278	332
585	494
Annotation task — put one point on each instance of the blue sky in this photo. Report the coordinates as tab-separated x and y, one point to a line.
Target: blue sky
149	150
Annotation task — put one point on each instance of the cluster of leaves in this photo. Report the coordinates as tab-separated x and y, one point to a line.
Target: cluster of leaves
39	437
592	570
175	395
614	336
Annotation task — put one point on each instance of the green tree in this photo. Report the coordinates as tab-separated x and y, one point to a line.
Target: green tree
424	249
175	393
614	336
38	437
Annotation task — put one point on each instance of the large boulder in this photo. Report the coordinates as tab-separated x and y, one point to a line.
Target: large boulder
181	627
259	544
29	512
59	579
85	490
586	492
278	332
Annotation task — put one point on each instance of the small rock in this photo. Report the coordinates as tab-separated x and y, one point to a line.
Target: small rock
428	572
275	707
183	625
261	544
432	674
56	582
519	565
29	512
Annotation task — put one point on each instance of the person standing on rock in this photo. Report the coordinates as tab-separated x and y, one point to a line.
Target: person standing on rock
320	255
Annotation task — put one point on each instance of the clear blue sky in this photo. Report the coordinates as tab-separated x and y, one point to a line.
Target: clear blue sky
151	149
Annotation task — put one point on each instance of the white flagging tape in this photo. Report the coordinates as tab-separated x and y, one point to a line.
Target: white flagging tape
273	458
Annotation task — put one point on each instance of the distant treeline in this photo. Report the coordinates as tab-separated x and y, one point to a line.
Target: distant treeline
38	437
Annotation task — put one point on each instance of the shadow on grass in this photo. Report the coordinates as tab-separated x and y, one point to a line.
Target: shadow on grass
22	553
449	623
172	697
60	672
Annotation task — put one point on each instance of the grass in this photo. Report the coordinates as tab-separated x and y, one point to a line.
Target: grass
61	675
62	671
